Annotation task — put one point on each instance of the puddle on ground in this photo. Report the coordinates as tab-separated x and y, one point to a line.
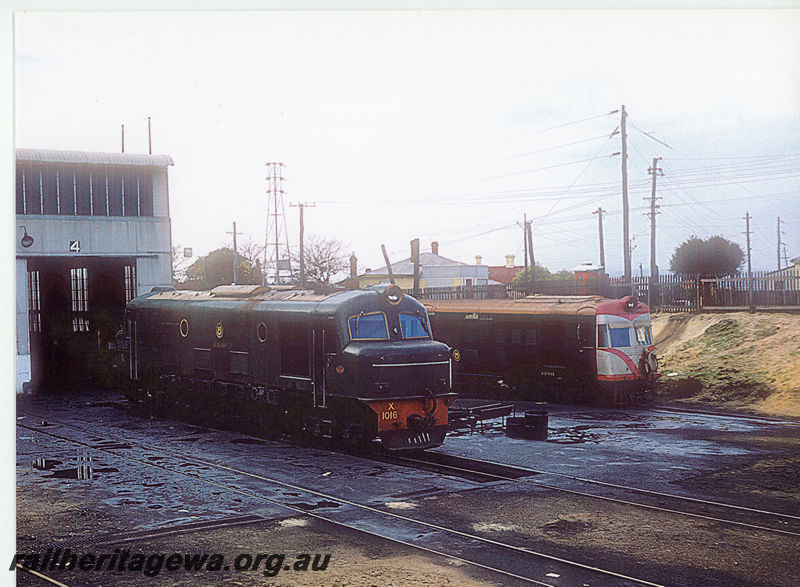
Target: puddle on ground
111	445
377	472
73	473
45	465
320	504
573	435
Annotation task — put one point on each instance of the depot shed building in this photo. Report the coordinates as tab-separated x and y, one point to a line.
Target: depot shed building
93	231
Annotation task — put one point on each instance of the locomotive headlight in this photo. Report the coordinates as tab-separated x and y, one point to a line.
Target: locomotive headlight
456	355
631	303
393	294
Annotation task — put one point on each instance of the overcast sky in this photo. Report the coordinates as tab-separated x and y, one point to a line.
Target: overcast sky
446	126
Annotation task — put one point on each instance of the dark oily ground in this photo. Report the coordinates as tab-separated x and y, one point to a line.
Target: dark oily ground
753	463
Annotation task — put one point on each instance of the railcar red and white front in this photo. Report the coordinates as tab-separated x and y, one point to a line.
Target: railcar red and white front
626	358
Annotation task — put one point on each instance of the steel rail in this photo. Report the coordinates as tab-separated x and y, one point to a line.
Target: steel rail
41	576
343	501
639	490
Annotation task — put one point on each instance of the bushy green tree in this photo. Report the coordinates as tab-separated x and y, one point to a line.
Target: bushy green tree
541	273
713	256
216	268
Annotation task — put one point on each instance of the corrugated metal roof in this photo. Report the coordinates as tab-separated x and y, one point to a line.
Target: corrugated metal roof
406	267
91	158
504	274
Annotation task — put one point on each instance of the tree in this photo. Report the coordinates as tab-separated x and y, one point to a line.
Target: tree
179	264
714	256
541	273
324	259
216	268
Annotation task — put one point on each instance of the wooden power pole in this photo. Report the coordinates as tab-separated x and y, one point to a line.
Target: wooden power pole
749	266
302	206
529	232
599	213
235	255
653	283
625	212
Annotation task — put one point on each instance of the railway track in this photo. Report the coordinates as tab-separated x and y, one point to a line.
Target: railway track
748	517
519	563
725	415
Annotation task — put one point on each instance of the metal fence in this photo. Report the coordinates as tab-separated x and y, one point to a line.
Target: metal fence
672	293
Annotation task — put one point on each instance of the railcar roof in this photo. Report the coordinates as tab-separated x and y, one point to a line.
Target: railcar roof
536	304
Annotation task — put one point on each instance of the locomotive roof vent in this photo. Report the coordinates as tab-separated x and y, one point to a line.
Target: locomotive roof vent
239	291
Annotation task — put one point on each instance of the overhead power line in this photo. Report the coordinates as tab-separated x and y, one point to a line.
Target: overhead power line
541	130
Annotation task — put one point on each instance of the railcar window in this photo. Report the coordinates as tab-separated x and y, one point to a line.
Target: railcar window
602	336
368	327
414	326
499	336
643	335
620	337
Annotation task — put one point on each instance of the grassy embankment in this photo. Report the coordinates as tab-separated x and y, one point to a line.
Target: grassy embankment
734	360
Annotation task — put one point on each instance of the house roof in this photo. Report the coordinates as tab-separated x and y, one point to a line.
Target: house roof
504	274
406	267
95	158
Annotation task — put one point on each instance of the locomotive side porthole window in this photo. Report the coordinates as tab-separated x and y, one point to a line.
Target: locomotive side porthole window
184	327
261	332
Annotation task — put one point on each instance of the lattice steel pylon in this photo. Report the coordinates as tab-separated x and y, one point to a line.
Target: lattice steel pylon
277	259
